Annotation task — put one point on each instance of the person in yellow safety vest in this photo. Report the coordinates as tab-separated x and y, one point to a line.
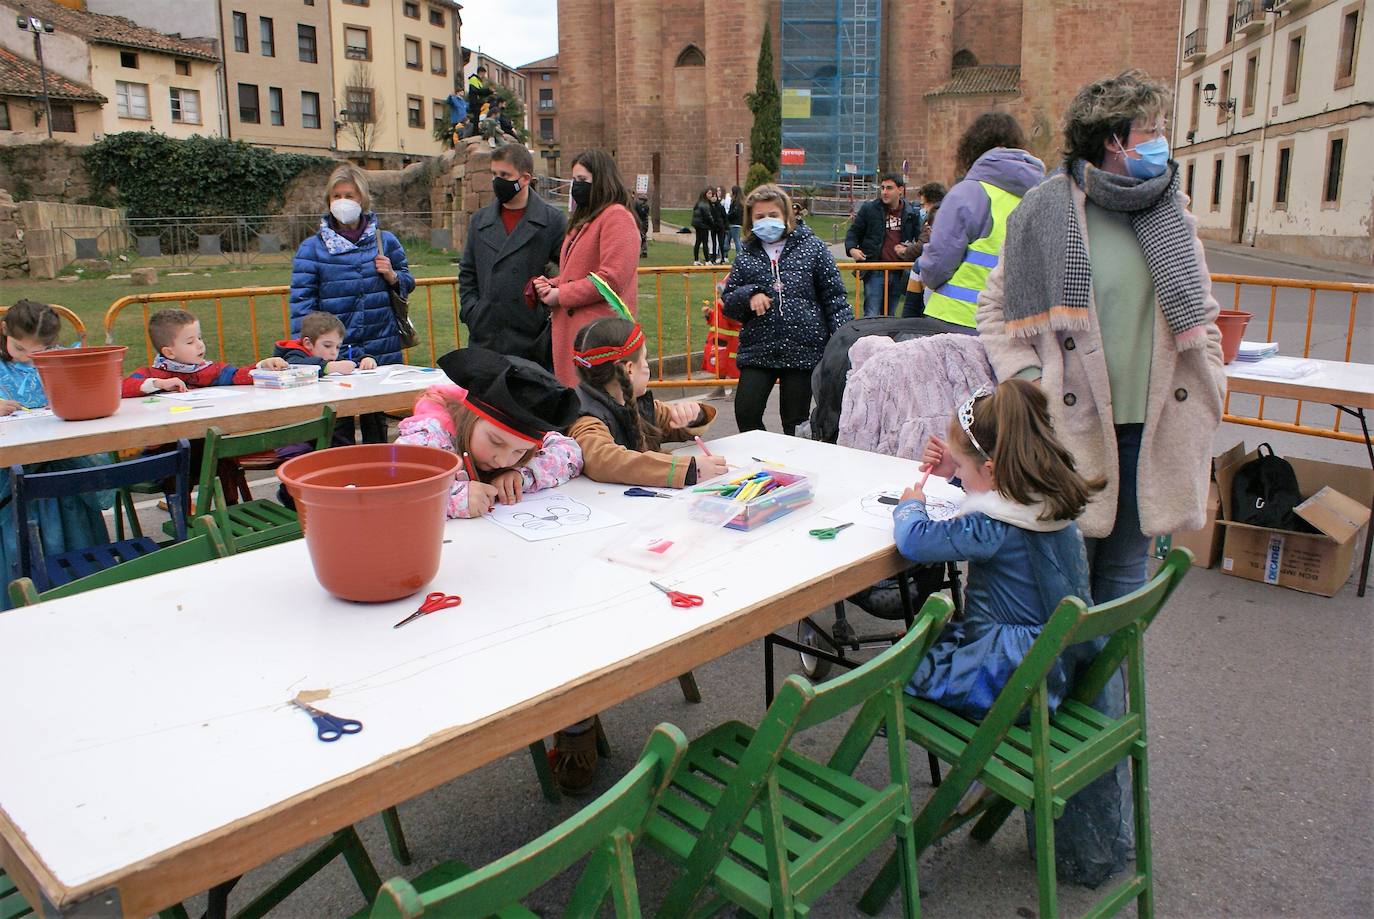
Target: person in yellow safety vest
967	239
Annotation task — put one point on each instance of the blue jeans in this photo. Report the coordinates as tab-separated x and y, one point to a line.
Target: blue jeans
873	292
1116	562
733	239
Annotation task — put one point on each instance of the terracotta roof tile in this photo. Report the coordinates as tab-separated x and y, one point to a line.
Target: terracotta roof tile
115	30
981	80
544	63
19	76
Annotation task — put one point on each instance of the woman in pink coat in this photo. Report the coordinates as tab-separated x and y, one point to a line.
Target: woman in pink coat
603	237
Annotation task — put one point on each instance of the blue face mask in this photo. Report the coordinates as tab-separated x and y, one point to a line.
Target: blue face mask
1153	161
769	229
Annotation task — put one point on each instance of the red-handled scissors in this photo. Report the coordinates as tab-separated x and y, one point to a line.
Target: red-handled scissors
433	603
678	598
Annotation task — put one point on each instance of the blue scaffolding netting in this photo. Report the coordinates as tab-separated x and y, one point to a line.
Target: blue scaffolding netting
830	55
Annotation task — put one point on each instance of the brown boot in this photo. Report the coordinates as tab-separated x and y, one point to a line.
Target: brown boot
573	760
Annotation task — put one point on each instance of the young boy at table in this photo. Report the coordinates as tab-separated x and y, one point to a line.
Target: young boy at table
180	363
321	340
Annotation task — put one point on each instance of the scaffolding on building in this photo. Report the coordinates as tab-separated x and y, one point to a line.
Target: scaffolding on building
830	78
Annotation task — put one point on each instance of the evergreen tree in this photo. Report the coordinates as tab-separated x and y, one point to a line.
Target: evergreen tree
765	138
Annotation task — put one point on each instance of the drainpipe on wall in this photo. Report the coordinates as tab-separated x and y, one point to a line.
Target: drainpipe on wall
1264	127
222	72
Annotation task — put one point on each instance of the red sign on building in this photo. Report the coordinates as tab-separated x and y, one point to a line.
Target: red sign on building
793	156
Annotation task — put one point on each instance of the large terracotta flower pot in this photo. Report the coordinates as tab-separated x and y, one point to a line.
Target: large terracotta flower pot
373	516
81	383
1232	324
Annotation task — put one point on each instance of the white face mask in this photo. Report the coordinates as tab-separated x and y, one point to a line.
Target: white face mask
345	211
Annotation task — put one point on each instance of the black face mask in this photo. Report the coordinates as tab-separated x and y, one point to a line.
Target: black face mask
581	192
505	189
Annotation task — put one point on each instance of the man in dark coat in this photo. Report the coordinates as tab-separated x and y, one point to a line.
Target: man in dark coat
515	238
884	230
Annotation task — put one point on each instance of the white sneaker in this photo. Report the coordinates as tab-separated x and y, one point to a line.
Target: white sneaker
696	264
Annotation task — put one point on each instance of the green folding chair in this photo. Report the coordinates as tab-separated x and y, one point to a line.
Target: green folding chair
757	824
206	546
262	521
1039	768
606	830
12	902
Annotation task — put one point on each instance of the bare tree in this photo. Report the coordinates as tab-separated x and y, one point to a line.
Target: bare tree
364	108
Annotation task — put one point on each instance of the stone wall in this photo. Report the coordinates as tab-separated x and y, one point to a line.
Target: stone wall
401	194
50	230
14	261
47	171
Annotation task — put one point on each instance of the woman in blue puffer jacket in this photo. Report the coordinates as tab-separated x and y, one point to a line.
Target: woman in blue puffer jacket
345	269
785	289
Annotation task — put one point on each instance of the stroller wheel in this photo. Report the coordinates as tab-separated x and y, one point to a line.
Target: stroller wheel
815	668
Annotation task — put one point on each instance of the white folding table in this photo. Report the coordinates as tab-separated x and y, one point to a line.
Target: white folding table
152	752
1347	387
147	420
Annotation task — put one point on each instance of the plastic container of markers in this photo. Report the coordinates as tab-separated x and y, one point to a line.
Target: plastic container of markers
293	377
741	503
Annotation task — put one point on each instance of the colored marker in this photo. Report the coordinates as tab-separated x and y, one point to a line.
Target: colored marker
471	470
702	444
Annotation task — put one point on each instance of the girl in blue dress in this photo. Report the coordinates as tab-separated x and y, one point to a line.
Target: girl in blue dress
67	523
1025	554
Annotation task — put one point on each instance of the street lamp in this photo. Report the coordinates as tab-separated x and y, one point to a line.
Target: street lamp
38	27
1209	96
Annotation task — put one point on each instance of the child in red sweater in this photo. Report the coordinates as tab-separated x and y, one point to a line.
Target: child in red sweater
181	363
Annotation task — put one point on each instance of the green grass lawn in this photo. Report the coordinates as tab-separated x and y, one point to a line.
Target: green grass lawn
670	301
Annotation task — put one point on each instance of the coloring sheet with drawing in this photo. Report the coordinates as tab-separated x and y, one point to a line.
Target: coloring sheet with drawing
875	509
550	515
20	414
402	375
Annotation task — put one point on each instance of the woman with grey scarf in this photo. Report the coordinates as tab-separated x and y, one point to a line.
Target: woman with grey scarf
1103	295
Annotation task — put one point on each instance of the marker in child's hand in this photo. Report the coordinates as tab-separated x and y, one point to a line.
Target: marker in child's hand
471	471
702	444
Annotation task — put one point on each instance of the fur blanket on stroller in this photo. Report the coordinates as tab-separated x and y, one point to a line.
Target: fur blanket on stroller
900	393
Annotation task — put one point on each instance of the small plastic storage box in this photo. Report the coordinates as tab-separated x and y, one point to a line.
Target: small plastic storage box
784	491
292	378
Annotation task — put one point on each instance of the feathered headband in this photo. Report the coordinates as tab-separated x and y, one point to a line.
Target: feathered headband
604	354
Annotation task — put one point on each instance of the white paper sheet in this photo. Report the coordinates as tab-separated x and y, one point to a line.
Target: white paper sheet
204	394
409	375
20	414
875	509
550	515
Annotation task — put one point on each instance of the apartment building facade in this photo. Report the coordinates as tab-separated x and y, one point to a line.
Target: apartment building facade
278	74
395	65
149	80
1274	100
541	108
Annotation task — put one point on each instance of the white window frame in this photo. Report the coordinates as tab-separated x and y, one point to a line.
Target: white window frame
127	99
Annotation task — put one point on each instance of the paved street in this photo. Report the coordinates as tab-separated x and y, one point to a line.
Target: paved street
1260	748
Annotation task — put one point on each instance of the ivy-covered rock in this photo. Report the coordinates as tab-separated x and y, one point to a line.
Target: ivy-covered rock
154	175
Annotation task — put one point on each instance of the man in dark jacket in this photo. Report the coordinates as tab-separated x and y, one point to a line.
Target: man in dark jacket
515	238
884	230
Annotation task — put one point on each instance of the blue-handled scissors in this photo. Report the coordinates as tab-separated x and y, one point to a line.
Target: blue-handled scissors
329	727
828	532
638	492
433	603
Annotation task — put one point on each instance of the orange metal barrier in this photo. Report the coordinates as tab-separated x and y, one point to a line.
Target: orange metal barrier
678	335
1338	297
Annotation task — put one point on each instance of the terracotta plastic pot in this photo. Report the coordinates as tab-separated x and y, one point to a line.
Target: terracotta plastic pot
82	383
1232	324
373	516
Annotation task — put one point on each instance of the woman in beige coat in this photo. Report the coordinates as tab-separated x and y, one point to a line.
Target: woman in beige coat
1102	293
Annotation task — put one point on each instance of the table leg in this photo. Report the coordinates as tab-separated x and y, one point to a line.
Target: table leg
1369	446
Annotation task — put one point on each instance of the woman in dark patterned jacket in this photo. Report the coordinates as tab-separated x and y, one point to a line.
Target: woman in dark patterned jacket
785	288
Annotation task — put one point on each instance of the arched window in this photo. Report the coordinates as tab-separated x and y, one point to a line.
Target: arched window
965	58
691	56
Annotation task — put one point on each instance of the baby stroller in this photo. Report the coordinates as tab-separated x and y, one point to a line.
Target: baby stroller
894	599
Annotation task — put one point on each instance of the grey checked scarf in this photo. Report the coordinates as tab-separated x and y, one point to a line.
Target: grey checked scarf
1033	304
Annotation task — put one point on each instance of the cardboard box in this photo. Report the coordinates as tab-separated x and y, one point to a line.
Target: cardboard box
1318	563
1205	543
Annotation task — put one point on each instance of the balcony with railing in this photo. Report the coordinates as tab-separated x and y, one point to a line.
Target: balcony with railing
1288	6
1249	16
1195	45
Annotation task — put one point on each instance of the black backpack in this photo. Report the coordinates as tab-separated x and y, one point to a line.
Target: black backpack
1264	493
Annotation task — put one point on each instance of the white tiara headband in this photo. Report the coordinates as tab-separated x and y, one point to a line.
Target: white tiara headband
966	418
